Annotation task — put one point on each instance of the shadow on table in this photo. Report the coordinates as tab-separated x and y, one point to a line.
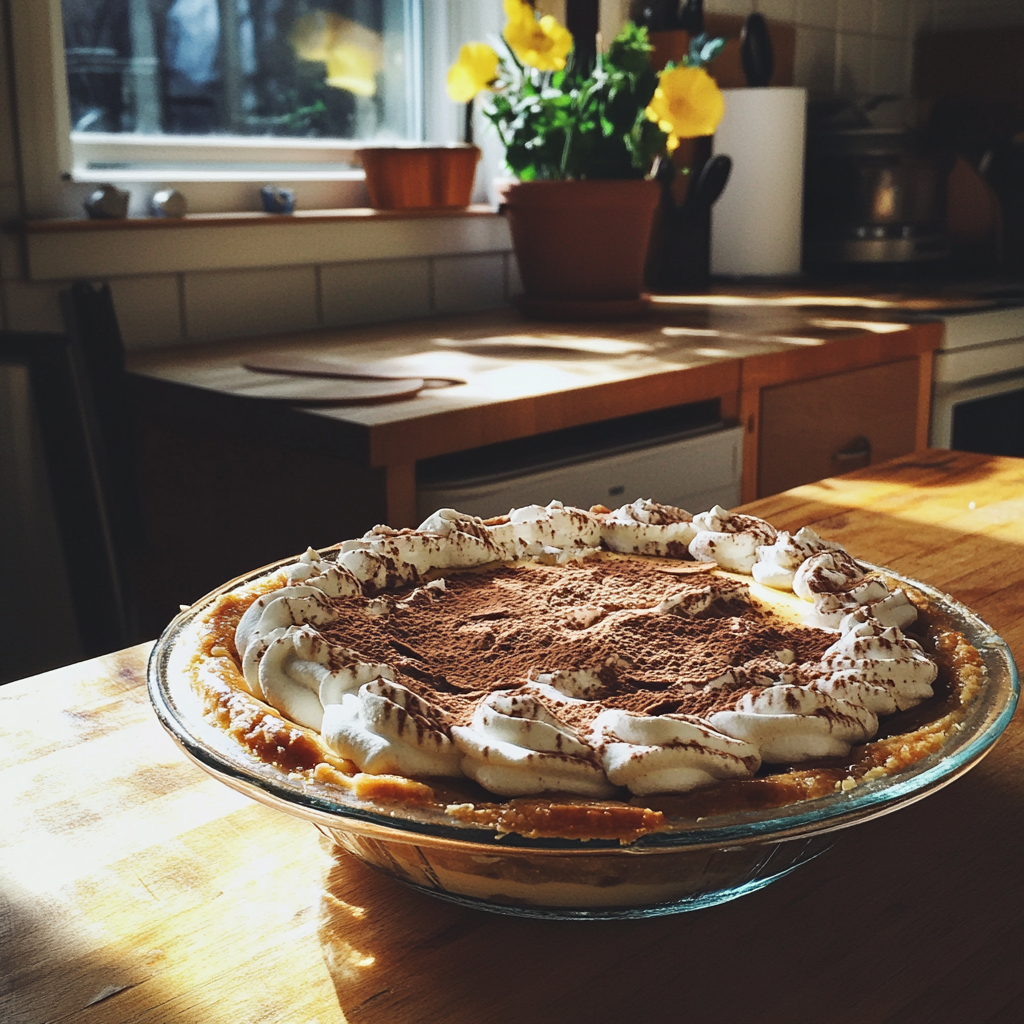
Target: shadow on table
922	924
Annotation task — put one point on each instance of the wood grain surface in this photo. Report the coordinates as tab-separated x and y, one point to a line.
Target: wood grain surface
529	377
135	888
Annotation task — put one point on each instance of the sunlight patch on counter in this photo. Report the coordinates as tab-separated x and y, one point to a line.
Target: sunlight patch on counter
875	326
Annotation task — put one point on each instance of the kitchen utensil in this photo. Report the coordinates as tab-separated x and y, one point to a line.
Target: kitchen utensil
708	186
691	17
328	390
685	230
756	52
309	366
655	15
875	195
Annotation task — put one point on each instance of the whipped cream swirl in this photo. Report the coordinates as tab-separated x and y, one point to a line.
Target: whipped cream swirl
385	728
300	673
730	539
269	617
869	599
826	572
554	533
777	563
879	667
517	745
647	528
789	723
446	540
668	753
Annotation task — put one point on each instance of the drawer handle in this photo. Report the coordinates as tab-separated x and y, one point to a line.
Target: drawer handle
857	450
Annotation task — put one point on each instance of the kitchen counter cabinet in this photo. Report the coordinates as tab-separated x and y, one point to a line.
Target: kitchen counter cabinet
243	481
831	425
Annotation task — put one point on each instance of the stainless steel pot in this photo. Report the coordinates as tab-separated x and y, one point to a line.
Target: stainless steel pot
874	196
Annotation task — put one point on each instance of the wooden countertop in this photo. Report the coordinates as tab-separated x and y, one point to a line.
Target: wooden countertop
133	887
527	377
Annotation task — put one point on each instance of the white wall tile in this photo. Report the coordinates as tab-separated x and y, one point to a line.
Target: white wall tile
919	17
380	290
11	261
513	282
743	7
777	10
854	16
8	150
33	307
853	65
889	70
613	15
820	13
148	310
890	17
250	302
814	64
951	14
63	255
469	282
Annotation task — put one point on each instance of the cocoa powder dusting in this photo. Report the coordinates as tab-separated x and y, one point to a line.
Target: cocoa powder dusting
492	629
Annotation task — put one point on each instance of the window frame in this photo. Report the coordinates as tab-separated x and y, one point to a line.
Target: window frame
54	184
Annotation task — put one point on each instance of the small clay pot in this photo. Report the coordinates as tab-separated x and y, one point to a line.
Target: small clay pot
419	177
582	241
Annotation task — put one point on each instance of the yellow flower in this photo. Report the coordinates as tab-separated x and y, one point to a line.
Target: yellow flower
353	53
687	103
475	69
539	43
353	68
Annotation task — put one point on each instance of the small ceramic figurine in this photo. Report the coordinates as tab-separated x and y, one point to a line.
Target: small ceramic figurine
168	203
108	202
277	200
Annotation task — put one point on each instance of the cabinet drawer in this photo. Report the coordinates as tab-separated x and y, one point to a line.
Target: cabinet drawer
831	425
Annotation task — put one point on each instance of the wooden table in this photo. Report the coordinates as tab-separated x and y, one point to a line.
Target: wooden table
135	888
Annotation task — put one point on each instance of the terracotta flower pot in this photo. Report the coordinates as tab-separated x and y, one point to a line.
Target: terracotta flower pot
411	177
581	241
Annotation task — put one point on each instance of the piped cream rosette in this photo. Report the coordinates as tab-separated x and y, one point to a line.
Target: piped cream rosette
523	741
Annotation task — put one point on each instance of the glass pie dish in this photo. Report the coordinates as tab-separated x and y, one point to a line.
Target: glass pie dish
694	863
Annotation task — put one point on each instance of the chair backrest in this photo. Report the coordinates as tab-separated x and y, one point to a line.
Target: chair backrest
92	324
79	480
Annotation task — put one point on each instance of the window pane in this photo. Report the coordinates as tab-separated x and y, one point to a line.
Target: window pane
341	69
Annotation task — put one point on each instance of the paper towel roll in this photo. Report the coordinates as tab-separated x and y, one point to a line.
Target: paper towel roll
757	223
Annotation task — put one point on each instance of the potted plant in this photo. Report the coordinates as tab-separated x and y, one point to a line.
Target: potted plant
584	140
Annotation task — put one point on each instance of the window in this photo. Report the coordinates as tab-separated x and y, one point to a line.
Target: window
210	96
97	103
185	82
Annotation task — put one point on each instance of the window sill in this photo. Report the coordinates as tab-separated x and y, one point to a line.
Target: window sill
68	249
249	217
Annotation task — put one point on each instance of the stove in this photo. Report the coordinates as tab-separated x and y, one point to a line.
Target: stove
978	382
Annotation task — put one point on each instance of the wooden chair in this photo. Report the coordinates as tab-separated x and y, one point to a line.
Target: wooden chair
80	484
92	322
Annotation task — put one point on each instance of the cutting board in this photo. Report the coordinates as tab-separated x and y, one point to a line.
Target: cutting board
309	380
